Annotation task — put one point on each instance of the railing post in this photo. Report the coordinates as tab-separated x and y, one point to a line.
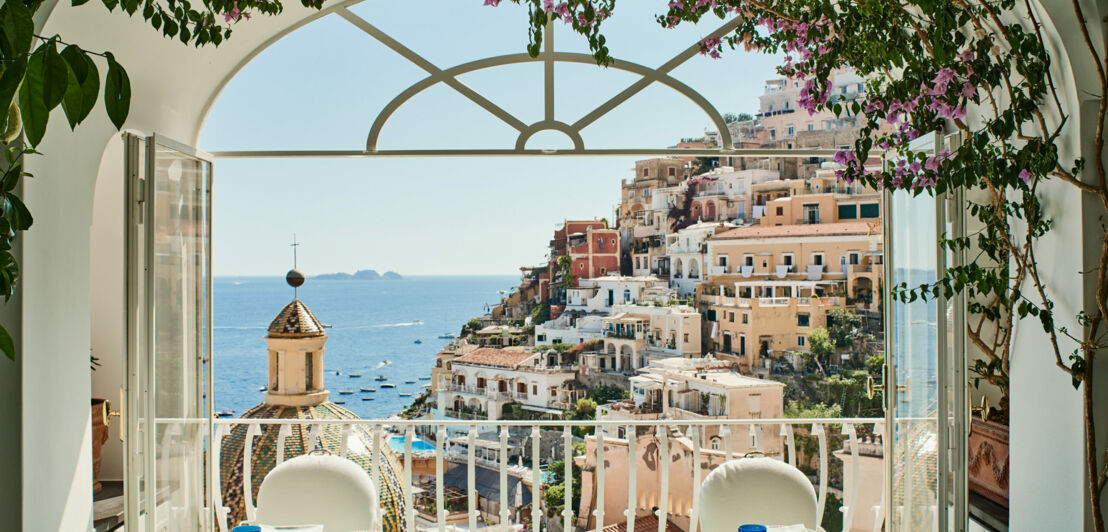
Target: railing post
471	482
504	478
632	469
725	434
821	435
377	455
599	512
567	452
247	472
790	442
344	446
440	449
536	480
694	514
851	497
217	488
409	499
662	433
282	435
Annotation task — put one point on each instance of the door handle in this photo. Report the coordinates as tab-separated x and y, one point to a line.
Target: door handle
872	388
109	413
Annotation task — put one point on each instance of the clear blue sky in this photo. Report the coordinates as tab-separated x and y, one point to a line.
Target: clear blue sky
322	86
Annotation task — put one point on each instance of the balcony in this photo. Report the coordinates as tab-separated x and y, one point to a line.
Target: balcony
773	301
836	468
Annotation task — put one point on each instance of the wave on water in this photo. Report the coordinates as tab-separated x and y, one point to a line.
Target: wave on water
383	363
381	325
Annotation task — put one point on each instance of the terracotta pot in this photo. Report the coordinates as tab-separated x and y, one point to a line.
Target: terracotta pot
99	437
988	460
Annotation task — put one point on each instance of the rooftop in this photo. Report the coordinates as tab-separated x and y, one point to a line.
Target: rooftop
828	229
501	358
295	321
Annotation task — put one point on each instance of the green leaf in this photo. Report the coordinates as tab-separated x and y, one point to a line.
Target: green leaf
76	3
10	80
84	87
19	215
17	29
117	92
7	345
55	75
32	107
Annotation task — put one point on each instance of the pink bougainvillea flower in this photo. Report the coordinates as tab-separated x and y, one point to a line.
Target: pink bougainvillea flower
966	56
492	3
1025	176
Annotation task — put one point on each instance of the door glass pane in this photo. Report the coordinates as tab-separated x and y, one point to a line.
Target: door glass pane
915	360
180	277
136	421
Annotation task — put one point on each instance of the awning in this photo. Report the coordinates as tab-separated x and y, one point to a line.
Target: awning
487	483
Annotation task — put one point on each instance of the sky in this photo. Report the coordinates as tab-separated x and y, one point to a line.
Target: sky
322	86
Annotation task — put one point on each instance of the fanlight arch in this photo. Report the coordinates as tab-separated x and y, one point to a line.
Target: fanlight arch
449	77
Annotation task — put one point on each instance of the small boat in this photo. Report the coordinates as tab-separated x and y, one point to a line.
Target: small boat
388	385
346	392
355	375
447	336
326	325
381	378
405	395
367	398
225	413
425	378
417	341
428	385
337	372
340	402
409	382
417	322
369	389
263	388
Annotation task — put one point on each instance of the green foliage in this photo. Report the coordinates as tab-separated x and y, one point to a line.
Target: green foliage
607	394
560	347
554	492
540	313
565	264
820	349
470	327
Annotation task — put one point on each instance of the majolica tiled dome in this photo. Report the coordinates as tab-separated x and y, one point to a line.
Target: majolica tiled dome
295	321
264	457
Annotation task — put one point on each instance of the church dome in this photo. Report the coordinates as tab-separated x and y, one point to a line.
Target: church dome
264	457
295	321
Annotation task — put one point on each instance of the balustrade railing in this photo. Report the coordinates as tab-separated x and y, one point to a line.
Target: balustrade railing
709	441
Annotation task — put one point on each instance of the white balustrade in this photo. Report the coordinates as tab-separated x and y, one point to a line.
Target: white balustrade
669	504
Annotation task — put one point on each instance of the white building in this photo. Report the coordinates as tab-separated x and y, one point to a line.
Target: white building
570	329
634	335
600	293
687	250
485	380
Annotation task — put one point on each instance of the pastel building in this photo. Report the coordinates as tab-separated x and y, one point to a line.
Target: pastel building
772	285
724	193
635	335
485	380
687	251
593	248
599	294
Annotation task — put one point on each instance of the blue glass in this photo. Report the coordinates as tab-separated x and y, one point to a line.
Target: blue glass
752	528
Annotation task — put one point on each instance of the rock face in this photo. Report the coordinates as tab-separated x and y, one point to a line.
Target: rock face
360	275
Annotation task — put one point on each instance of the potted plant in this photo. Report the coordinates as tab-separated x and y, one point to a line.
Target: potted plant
988	437
101	409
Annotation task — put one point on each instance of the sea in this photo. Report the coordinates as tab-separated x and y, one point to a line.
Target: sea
371	322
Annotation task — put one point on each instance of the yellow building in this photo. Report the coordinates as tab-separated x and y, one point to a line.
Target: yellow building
769	286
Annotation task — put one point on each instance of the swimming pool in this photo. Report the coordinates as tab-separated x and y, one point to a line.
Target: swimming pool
418	445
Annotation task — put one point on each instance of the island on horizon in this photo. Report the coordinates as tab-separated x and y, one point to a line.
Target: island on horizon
360	275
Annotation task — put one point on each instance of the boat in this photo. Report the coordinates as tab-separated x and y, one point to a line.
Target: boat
355	375
409	382
262	389
417	341
346	392
337	372
340	402
225	413
447	336
405	395
428	385
417	322
380	378
369	389
367	398
425	378
388	385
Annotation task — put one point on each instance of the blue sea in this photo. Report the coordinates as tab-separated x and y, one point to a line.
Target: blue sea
371	321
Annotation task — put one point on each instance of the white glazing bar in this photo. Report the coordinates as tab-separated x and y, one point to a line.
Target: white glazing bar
694	514
725	434
471	476
632	467
282	435
790	442
409	500
599	512
548	71
247	473
344	447
504	525
756	438
662	433
545	152
567	453
377	457
821	435
217	489
440	449
851	500
536	480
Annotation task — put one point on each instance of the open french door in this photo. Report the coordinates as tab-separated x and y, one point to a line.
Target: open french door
167	391
925	385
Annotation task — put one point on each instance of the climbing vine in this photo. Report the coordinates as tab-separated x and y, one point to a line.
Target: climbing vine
978	68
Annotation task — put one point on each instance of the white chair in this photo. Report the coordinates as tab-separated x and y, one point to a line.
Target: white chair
319	489
760	491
